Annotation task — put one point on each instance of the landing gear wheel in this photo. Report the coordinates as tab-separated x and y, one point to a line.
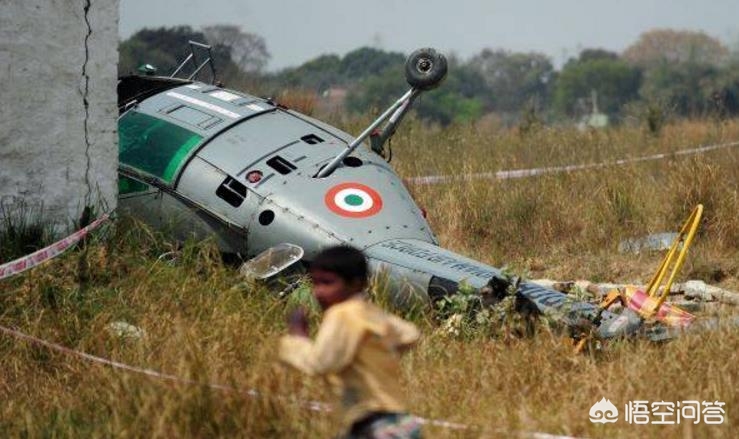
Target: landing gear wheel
425	69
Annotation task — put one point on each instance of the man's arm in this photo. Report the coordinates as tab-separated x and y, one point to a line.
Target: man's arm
407	333
334	348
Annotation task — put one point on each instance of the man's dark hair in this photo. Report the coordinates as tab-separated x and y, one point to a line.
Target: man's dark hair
347	262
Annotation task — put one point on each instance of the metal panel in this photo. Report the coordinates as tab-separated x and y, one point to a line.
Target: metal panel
290	226
200	181
189	115
145	206
259	138
195	96
311	198
428	258
191	222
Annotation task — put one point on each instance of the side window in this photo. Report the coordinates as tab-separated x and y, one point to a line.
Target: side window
232	192
153	145
281	165
311	139
127	185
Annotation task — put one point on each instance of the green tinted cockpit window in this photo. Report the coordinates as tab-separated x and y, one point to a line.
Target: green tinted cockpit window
153	145
128	185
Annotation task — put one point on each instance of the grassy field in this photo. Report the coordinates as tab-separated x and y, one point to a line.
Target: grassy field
204	324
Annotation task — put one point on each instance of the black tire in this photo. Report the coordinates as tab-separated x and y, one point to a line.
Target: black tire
425	69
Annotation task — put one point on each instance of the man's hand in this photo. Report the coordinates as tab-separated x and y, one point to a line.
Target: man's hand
297	323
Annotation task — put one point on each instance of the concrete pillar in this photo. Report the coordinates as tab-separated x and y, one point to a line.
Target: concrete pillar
58	106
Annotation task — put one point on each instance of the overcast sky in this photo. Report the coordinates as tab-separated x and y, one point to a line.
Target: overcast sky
297	30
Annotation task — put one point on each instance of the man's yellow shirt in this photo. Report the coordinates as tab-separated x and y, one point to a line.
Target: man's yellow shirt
359	347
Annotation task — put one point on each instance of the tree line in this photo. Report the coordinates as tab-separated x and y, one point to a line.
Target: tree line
664	73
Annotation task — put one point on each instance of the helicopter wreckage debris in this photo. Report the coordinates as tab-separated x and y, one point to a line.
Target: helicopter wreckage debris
689	292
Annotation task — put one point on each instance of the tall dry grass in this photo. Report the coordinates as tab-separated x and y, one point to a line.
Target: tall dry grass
570	225
204	324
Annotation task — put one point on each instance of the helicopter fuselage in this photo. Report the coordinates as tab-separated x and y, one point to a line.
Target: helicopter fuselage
199	160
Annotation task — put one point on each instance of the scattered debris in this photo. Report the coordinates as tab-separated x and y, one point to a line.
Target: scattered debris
653	242
697	289
271	262
170	258
691	292
453	325
126	330
690	305
596	290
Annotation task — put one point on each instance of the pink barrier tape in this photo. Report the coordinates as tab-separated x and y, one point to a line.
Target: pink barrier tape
105	361
523	173
40	256
310	405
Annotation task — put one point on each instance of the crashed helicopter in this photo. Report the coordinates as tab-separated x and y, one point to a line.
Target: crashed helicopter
202	160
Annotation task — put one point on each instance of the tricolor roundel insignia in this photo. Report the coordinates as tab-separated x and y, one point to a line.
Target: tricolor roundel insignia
353	200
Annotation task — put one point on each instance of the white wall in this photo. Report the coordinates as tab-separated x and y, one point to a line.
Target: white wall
55	55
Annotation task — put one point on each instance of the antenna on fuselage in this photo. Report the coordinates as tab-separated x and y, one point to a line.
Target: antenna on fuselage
198	65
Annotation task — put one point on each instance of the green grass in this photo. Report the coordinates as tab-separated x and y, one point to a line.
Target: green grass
22	229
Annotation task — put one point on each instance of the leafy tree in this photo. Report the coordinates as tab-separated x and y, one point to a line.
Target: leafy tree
445	106
248	50
514	79
375	78
367	61
593	54
461	98
457	100
684	88
377	92
686	72
330	70
690	73
615	81
165	47
725	96
660	46
317	74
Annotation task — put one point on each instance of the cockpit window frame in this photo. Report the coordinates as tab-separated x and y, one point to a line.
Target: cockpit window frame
164	161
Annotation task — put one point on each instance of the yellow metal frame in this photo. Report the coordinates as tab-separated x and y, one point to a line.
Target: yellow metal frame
675	259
